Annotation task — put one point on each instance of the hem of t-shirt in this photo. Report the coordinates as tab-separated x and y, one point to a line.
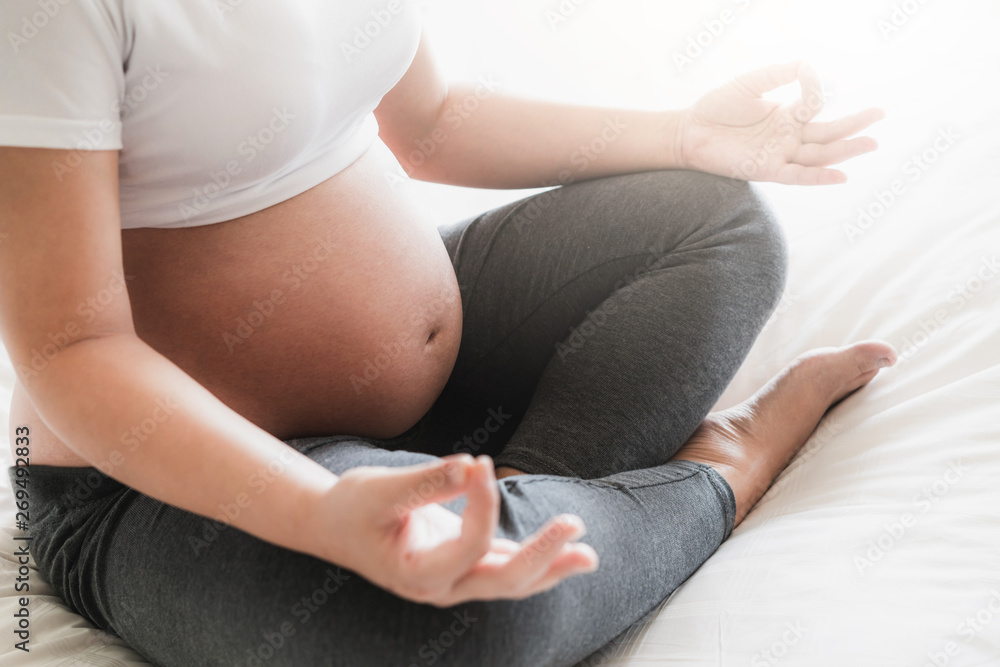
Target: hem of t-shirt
311	173
70	134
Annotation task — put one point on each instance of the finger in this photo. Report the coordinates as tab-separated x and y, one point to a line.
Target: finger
540	550
812	97
824	133
820	155
514	576
504	546
575	559
491	581
441	567
481	515
765	79
796	174
407	488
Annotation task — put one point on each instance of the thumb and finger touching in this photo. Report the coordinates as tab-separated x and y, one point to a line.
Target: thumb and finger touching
766	79
472	563
821	144
407	488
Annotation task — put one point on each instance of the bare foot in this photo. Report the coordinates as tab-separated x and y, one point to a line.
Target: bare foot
752	442
504	471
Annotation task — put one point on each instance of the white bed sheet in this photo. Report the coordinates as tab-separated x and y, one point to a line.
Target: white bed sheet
788	587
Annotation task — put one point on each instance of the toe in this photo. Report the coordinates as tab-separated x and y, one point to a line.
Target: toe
861	362
872	355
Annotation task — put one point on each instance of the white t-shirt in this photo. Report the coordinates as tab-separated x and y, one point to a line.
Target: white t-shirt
220	108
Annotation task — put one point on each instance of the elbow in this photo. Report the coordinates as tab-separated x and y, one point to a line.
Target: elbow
36	368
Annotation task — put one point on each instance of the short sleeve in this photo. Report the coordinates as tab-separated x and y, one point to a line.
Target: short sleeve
62	80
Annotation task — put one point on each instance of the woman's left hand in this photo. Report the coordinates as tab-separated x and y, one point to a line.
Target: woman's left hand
732	131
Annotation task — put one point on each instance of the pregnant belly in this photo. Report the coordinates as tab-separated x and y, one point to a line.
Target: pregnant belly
335	312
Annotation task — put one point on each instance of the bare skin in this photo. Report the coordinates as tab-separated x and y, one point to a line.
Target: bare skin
383	277
349	268
751	443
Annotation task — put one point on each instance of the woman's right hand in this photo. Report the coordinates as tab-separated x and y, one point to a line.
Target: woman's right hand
386	525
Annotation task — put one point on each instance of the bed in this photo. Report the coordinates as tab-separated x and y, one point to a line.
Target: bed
880	544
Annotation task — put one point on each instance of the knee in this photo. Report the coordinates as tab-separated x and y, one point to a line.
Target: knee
689	210
714	211
734	215
758	236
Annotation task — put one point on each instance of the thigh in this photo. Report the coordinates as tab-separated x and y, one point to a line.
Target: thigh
533	271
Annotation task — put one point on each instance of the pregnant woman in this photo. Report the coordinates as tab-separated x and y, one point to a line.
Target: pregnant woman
267	401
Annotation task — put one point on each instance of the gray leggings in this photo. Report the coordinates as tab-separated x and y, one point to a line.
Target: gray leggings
603	320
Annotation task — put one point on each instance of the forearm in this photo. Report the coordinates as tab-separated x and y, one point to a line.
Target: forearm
139	418
498	141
